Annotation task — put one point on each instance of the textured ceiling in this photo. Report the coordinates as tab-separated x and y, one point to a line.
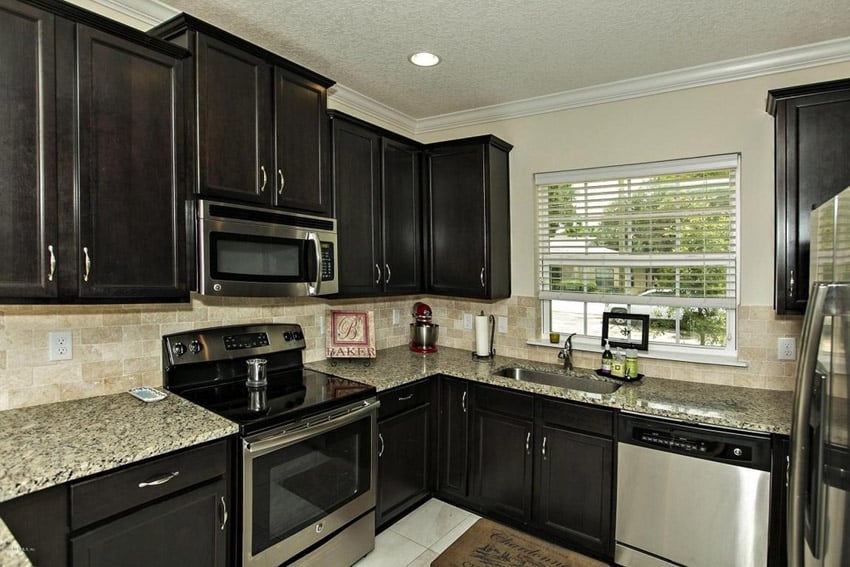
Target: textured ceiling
497	51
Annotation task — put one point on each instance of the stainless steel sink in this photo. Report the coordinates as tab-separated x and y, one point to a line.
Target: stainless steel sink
573	381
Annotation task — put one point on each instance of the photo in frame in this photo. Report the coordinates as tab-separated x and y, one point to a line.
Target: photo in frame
625	330
350	334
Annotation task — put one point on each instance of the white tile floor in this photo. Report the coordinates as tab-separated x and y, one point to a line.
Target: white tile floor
418	538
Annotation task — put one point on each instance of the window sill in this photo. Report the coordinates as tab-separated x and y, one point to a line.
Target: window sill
655	352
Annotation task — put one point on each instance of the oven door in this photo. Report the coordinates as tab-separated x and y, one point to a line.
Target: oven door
300	487
246	252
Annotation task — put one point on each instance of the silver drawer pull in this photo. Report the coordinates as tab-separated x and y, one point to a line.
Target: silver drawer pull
52	263
544	447
223	513
463	402
528	443
159	480
405	398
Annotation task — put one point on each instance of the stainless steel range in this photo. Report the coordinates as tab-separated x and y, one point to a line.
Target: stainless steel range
308	461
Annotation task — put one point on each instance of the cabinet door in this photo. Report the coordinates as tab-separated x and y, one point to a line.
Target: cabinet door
131	242
812	145
501	465
234	123
185	530
457	221
301	144
402	218
453	444
573	487
28	217
356	153
403	461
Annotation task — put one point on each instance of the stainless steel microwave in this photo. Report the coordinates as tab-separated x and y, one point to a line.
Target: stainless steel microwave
246	251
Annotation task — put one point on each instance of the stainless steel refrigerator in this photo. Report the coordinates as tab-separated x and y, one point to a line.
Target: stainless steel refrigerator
819	467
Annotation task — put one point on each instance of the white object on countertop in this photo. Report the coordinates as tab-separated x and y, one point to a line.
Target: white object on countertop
482	338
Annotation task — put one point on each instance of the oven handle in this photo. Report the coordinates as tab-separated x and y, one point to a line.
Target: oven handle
313	289
289	437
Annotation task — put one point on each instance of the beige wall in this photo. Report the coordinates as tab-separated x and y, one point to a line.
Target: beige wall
724	118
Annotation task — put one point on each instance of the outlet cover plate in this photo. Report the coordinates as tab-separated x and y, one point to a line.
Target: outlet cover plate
786	348
502	323
467	321
61	347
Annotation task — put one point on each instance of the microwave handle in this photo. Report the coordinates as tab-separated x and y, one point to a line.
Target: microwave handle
313	289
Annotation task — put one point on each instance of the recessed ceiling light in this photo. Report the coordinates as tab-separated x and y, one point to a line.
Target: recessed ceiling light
424	59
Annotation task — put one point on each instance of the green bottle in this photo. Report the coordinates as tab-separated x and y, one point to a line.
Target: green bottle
607	358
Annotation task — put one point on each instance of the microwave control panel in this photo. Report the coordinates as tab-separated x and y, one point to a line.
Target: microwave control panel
327	261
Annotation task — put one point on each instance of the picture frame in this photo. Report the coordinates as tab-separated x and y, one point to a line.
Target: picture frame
625	330
350	334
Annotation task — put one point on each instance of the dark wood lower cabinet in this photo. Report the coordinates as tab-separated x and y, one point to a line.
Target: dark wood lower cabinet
453	442
573	485
502	465
184	530
405	466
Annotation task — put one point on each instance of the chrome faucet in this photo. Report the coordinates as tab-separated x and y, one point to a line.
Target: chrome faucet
566	353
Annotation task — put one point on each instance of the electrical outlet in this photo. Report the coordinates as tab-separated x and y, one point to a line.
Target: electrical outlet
61	347
467	321
503	324
786	348
396	316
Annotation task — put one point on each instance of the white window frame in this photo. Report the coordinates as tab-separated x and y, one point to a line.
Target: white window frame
670	351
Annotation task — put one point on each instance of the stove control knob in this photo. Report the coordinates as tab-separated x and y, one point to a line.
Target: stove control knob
299	336
195	346
287	336
179	349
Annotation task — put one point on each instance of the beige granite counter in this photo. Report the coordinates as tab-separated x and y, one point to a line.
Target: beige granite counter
46	445
740	408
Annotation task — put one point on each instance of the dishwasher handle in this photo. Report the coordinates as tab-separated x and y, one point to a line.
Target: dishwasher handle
701	442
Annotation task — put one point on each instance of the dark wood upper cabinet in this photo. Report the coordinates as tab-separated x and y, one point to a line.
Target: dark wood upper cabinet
28	218
378	209
261	133
301	144
234	116
468	218
812	129
93	159
131	242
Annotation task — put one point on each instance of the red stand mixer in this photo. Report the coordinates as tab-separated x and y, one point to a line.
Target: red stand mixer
423	333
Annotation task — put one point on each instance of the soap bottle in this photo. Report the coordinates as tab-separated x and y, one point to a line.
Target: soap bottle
618	364
607	357
631	363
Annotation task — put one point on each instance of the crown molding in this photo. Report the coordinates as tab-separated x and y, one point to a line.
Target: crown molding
791	59
369	108
147	12
153	12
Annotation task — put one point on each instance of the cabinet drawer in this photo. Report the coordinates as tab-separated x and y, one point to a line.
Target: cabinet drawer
577	416
105	495
504	401
402	398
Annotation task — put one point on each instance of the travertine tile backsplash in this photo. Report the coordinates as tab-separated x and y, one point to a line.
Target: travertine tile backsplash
116	347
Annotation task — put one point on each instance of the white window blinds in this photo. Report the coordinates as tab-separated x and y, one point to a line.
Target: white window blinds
653	233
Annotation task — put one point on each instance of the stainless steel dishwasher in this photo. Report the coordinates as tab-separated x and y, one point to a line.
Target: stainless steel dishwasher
690	495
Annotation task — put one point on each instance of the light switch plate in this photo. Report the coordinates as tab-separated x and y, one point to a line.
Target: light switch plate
396	316
503	324
467	321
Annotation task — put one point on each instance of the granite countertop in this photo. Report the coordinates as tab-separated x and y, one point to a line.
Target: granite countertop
749	409
46	445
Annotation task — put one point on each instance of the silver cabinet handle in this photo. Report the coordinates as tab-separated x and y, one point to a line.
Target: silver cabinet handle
791	284
463	401
481	277
223	513
528	443
88	264
282	182
544	448
389	272
265	179
405	398
159	480
378	269
52	263
381	450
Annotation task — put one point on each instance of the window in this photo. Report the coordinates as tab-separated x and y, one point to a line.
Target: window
657	238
